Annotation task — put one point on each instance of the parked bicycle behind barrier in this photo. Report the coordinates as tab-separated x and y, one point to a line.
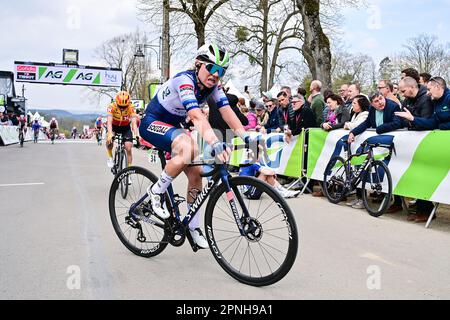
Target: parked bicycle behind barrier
342	176
254	241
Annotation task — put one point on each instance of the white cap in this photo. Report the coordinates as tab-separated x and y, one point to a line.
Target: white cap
2	109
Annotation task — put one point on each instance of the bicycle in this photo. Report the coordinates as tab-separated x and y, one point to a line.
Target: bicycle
53	135
98	135
342	177
256	245
21	136
120	163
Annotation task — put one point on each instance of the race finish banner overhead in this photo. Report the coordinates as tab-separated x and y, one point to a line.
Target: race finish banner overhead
34	72
420	168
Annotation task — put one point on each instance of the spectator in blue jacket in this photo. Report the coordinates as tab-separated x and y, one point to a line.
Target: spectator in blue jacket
440	96
273	123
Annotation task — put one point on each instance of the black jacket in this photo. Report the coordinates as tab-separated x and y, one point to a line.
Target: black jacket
215	118
420	106
303	118
273	123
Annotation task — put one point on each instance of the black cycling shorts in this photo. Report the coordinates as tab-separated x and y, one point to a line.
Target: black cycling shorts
125	131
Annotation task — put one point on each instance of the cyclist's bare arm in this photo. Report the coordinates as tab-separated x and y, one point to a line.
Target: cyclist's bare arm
202	125
134	126
109	125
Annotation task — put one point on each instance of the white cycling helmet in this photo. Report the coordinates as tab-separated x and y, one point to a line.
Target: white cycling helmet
2	109
211	52
53	119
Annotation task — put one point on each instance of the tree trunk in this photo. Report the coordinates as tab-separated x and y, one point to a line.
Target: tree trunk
316	47
165	46
265	61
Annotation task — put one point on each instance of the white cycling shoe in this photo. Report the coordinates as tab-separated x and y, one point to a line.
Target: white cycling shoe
199	238
110	163
156	202
285	193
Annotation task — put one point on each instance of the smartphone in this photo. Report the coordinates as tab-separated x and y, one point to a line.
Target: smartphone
246	89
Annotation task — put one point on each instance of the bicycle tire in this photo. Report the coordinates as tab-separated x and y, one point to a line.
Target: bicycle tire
143	178
333	184
376	188
123	163
270	230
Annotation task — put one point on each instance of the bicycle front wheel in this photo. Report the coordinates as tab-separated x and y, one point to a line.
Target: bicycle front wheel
377	188
335	179
268	249
144	235
123	163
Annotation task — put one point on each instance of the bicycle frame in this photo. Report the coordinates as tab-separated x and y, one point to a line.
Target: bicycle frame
219	174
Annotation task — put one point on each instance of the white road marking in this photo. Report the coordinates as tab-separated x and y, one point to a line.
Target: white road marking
22	184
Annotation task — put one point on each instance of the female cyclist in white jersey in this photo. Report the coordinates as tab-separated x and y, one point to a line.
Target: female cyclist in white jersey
176	99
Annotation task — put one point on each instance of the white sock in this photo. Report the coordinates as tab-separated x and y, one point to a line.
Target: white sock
163	183
195	222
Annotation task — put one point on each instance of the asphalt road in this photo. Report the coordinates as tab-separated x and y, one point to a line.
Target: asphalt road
57	242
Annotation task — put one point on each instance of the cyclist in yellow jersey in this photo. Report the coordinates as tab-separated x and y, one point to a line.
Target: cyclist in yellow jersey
121	119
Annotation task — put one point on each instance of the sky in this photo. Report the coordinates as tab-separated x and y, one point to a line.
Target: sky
38	30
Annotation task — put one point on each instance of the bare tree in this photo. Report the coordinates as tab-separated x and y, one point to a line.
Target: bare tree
425	54
119	52
198	12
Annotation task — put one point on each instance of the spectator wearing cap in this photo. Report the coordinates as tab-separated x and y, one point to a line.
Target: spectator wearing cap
267	96
317	100
262	116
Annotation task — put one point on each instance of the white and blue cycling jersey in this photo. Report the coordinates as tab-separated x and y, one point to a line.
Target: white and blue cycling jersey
169	108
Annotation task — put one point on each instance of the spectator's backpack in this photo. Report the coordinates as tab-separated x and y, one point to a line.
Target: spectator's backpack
53	125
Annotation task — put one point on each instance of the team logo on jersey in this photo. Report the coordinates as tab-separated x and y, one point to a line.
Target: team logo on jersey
160	128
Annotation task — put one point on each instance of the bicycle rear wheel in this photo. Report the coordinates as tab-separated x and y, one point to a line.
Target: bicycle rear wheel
123	163
268	250
146	234
377	188
335	178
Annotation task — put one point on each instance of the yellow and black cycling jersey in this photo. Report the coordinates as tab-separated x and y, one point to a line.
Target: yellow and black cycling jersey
121	117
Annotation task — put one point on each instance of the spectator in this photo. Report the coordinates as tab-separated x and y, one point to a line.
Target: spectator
302	118
424	78
267	96
241	103
252	120
386	87
420	105
317	100
337	115
4	119
440	96
411	72
343	92
288	91
302	92
360	112
396	92
262	116
416	99
273	122
13	119
353	91
285	110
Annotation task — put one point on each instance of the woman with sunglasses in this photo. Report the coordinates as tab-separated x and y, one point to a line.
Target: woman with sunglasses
178	98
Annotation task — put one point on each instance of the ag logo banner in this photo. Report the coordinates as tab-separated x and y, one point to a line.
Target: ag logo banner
67	75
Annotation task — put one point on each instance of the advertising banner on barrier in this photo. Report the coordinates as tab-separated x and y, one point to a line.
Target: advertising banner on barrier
285	159
420	168
10	135
35	72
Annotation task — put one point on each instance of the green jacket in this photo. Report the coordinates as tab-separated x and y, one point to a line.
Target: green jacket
317	106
